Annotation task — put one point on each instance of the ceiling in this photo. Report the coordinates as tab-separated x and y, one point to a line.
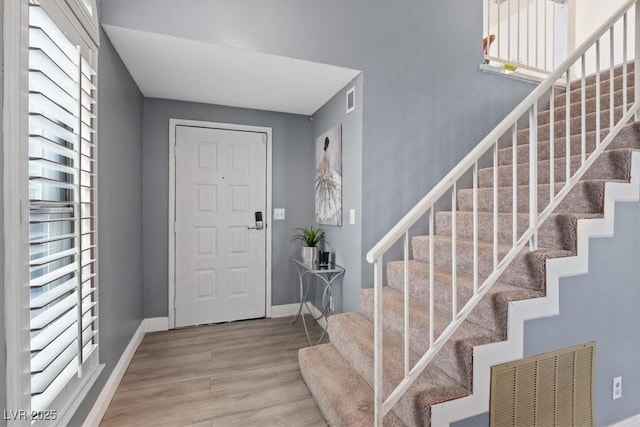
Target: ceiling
187	70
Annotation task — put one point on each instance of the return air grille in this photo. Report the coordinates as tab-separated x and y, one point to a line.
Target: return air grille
550	389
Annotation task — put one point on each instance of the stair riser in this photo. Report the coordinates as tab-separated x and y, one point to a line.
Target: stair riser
590	90
585	197
610	165
454	358
555	233
544	131
515	274
629	137
590	107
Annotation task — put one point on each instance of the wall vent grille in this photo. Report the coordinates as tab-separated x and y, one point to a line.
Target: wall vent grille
550	389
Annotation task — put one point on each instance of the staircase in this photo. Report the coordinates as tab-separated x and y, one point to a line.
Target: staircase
488	230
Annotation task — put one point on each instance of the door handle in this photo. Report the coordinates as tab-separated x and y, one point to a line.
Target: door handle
259	223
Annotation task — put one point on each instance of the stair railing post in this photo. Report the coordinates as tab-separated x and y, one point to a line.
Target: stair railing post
636	66
533	175
377	332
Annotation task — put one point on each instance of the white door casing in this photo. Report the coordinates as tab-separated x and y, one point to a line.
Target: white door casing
218	266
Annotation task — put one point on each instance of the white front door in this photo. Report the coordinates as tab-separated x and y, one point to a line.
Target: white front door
220	257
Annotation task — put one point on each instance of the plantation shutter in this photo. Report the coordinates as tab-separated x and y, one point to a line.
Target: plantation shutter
62	207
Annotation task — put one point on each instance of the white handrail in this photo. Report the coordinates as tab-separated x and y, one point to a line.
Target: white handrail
536	214
504	126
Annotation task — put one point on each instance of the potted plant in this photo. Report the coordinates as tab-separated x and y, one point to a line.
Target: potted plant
310	237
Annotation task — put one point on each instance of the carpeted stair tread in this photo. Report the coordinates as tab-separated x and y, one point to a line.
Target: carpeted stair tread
491	311
352	335
527	270
629	137
455	357
342	395
612	164
586	197
557	232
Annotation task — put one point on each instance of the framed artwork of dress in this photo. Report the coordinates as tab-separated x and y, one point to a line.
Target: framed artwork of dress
329	177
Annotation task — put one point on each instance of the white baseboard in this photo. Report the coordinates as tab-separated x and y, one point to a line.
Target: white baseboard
287	310
156	324
284	310
629	422
104	398
317	313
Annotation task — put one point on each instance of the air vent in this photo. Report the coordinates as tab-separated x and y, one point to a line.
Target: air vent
550	389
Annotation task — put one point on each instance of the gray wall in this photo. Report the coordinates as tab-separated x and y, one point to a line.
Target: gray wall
292	190
120	213
345	241
603	307
426	102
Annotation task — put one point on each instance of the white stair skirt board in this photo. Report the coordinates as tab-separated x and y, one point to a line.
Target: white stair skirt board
629	422
486	356
104	398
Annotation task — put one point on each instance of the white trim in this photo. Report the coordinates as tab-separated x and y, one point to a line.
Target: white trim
288	310
172	199
15	179
629	422
512	349
79	397
285	310
109	389
317	313
156	324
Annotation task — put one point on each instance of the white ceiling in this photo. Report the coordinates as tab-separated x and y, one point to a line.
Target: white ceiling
187	70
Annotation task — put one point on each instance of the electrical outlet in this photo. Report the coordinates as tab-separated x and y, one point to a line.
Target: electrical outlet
352	216
617	388
278	214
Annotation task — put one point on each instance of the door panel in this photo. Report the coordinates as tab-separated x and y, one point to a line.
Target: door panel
220	261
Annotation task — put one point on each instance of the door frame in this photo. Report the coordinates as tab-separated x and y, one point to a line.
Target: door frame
173	123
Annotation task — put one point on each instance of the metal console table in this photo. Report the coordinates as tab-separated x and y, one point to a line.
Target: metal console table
327	276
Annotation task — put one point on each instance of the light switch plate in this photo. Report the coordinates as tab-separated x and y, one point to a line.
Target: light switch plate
352	216
278	214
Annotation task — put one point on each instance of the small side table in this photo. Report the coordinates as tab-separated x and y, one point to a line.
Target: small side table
327	276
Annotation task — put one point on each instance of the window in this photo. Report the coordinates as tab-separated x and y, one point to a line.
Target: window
57	340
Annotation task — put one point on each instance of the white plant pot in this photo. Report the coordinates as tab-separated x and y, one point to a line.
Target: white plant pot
309	255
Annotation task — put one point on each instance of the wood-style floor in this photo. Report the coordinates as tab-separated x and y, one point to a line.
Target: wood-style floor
232	374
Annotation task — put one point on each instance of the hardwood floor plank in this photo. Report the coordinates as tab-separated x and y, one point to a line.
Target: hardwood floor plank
301	413
240	373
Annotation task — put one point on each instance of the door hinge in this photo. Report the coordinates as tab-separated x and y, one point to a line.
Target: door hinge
264	138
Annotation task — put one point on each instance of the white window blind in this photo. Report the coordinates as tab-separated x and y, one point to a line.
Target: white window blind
62	209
